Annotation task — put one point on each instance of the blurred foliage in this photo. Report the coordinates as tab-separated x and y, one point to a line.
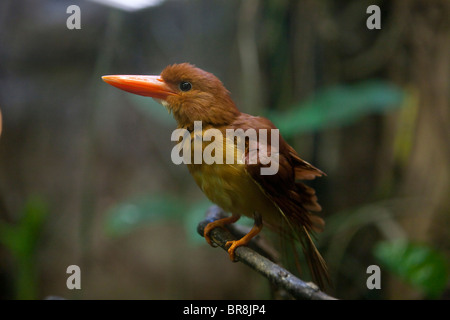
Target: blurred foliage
128	215
417	264
407	123
21	240
138	212
338	106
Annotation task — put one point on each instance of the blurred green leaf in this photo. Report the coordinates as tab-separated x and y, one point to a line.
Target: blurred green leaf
194	214
338	106
21	240
139	212
131	214
417	264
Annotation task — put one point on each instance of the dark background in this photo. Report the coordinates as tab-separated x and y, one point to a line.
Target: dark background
85	172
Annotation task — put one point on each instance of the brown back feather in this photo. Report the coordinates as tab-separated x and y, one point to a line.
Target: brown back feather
295	200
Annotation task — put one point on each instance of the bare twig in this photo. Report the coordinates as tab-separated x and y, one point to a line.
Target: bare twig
272	271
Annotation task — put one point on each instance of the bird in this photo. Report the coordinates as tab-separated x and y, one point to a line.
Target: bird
280	201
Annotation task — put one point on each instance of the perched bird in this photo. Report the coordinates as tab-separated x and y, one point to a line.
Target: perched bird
279	200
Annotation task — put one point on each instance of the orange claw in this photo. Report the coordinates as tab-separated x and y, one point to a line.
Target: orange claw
218	223
234	244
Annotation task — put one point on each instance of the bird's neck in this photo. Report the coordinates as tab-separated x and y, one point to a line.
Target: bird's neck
226	117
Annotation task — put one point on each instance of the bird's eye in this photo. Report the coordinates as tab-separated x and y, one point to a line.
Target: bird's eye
185	86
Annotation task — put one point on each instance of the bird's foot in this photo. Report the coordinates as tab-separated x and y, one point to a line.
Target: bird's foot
234	244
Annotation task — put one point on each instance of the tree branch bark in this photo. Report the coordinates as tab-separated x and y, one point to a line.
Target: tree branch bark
279	276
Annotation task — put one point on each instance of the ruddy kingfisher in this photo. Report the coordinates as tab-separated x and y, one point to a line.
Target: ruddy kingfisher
280	201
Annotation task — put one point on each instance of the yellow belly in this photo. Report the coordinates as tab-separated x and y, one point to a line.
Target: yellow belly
231	188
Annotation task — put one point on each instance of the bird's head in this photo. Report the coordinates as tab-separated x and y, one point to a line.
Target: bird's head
190	93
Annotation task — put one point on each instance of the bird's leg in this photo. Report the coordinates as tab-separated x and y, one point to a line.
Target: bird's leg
218	223
257	227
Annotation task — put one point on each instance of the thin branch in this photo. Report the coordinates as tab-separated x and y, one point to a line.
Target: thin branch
272	271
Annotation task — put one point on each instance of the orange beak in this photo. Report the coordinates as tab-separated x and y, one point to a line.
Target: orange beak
149	86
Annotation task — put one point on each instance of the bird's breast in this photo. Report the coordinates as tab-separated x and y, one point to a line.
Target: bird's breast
228	184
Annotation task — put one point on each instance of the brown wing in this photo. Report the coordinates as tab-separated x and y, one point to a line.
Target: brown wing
294	199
